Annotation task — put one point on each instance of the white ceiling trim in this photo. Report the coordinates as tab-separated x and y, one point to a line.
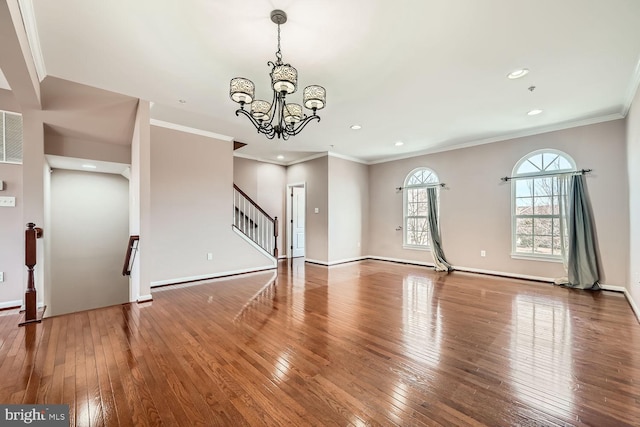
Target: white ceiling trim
634	85
351	159
30	27
537	131
306	159
188	129
258	159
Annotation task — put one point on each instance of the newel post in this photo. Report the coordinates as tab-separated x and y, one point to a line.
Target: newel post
275	237
30	297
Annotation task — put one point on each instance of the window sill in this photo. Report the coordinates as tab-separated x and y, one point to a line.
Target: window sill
417	248
529	257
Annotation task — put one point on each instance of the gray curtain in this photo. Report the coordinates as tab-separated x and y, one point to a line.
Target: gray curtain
582	259
434	232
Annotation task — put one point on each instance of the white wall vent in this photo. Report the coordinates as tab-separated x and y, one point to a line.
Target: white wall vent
10	137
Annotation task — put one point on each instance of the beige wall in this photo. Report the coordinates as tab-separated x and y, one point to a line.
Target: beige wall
60	145
633	164
88	233
475	206
266	184
348	209
192	210
315	174
11	237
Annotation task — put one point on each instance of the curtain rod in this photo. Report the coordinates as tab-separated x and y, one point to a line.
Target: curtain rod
580	172
440	184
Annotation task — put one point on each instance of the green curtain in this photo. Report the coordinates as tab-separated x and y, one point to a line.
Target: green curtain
434	232
582	260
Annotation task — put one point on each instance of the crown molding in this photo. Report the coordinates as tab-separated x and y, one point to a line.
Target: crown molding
506	137
258	159
187	129
349	158
306	159
29	21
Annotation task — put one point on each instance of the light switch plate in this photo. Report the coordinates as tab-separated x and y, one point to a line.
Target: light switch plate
7	202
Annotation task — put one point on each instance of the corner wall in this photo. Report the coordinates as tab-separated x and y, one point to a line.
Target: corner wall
633	165
315	174
348	209
11	238
192	210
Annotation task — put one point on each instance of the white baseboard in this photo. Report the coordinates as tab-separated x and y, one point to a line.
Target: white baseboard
255	245
315	261
210	276
402	261
145	298
11	304
633	304
336	262
504	274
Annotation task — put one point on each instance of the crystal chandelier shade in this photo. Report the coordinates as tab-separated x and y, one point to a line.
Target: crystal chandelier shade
278	118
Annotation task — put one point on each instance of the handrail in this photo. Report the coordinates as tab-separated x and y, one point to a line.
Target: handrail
235	187
254	222
132	248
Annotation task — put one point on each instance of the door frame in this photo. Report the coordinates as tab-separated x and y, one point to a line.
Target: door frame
289	217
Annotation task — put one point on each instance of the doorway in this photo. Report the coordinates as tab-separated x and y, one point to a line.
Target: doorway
296	212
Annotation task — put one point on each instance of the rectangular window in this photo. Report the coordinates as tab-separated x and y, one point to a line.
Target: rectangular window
537	217
416	220
10	137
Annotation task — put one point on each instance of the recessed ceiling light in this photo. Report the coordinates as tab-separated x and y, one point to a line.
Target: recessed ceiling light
356	127
399	144
280	157
516	74
89	166
534	112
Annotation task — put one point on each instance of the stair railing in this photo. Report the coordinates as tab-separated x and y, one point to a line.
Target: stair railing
254	222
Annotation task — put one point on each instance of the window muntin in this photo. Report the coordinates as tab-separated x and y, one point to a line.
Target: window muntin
535	208
416	208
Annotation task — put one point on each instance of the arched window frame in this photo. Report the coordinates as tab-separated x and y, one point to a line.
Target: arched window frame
519	194
423	178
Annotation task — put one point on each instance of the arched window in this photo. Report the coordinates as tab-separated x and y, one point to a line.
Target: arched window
535	203
416	207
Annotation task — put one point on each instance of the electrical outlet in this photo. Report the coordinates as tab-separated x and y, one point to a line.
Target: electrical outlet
483	253
1	276
209	256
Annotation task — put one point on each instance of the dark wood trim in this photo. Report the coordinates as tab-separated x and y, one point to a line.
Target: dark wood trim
126	271
30	257
252	202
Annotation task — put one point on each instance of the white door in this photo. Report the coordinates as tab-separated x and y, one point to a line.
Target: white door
297	221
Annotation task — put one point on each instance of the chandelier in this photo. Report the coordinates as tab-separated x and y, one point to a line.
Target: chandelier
278	117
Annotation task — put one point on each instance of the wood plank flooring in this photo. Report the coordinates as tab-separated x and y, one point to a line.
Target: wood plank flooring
366	343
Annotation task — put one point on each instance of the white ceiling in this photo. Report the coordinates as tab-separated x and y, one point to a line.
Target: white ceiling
430	73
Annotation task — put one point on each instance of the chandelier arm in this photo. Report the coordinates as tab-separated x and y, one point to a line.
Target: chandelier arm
302	124
264	128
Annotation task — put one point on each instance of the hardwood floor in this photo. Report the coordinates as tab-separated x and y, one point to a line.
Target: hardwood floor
368	343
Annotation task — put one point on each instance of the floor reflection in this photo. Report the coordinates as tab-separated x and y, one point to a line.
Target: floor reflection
422	318
541	349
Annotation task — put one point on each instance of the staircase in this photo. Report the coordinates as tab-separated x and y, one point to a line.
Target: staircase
252	221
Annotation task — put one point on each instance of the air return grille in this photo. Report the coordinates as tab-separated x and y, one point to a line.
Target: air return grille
10	137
